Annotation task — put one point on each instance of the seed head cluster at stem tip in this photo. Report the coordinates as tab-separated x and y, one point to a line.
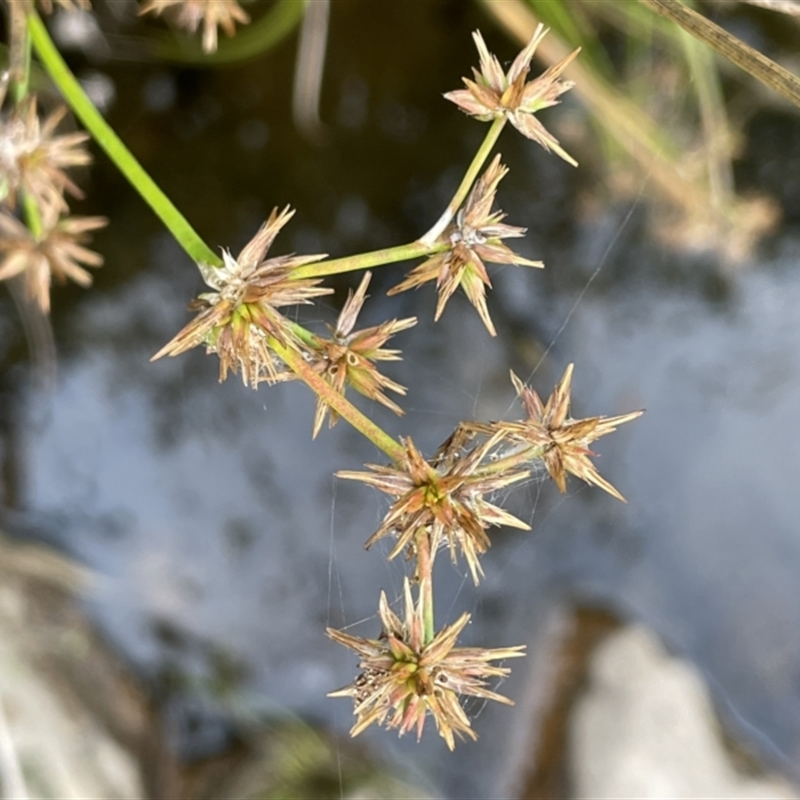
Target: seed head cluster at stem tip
562	441
475	236
238	317
443	499
346	359
494	93
405	678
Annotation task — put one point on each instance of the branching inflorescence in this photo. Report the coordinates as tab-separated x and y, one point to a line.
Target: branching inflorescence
447	501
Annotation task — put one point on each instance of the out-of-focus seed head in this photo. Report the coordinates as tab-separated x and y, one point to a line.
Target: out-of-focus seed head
57	253
213	14
34	159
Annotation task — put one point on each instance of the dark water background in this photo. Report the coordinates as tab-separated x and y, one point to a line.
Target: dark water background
225	543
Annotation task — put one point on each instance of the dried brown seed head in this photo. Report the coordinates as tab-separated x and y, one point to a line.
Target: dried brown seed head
347	358
494	93
238	317
562	442
213	14
406	679
443	499
475	236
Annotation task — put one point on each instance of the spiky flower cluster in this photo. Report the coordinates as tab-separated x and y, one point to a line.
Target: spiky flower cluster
239	317
475	236
34	160
346	359
443	500
406	678
562	443
495	93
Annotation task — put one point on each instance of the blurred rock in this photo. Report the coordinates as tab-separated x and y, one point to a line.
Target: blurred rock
61	747
646	728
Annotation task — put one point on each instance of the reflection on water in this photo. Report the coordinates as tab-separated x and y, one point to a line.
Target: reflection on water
227	544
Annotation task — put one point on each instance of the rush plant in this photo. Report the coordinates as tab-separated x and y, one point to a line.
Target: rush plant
413	670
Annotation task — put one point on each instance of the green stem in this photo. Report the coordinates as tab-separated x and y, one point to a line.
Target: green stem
425	576
522	456
338	403
33	217
104	135
466	184
375	258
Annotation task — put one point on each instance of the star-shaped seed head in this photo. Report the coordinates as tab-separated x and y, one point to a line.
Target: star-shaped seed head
444	499
346	359
238	318
406	679
494	93
475	236
563	442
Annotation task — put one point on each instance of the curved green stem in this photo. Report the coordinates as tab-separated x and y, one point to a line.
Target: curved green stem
375	258
123	159
337	402
466	184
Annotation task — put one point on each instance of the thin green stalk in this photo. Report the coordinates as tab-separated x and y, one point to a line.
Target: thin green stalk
338	403
375	258
522	456
33	217
123	159
466	184
425	576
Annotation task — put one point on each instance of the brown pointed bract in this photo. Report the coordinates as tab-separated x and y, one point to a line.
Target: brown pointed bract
405	679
